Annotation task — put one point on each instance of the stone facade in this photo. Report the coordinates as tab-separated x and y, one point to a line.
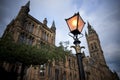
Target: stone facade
27	29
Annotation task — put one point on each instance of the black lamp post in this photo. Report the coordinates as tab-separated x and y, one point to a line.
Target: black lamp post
76	24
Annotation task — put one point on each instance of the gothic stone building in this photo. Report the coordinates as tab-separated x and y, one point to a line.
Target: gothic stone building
95	66
27	29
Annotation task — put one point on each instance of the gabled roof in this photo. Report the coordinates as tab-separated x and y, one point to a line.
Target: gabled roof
37	21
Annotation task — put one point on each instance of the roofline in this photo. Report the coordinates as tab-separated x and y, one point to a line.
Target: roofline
37	21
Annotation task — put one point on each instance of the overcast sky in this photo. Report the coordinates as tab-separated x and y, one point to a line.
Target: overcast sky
103	15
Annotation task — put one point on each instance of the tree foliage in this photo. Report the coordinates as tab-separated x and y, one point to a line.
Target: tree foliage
13	52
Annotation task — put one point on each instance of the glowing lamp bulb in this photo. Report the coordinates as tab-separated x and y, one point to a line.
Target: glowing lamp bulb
74	22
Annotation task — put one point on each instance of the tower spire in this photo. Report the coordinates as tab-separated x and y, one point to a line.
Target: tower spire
28	4
90	29
85	33
89	26
53	26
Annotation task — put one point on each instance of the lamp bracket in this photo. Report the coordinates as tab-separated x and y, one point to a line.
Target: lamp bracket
78	48
75	36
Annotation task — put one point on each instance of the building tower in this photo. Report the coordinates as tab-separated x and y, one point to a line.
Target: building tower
94	46
53	28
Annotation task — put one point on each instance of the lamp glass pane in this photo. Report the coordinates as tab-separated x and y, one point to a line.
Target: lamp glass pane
72	23
80	24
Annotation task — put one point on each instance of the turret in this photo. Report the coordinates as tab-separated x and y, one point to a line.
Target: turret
23	13
45	21
25	8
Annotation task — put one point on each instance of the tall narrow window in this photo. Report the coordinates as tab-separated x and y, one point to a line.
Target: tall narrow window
47	37
70	76
31	26
74	64
49	70
25	38
69	63
42	69
56	74
64	76
95	45
27	24
92	47
75	76
22	38
30	40
42	34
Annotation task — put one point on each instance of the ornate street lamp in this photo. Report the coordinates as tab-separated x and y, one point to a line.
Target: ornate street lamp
76	24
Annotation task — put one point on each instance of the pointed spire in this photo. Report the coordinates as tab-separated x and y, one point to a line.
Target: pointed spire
89	26
90	29
85	33
53	26
28	4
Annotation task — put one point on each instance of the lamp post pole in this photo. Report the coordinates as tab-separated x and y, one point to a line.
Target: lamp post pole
79	56
76	24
